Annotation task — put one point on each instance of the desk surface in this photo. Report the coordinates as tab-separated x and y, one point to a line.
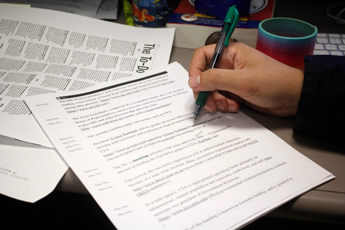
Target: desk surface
325	203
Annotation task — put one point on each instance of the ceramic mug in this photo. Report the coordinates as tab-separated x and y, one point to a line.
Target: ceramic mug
287	40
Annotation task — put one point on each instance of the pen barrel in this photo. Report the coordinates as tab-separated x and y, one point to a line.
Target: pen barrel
202	98
220	46
223	41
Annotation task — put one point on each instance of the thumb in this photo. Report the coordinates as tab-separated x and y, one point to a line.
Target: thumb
208	80
220	79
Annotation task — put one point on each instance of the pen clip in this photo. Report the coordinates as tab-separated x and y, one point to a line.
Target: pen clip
231	18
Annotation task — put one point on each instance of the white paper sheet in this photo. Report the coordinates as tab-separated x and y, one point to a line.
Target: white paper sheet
82	7
28	173
45	51
136	149
106	9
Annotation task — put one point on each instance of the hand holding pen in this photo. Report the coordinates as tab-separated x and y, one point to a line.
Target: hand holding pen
246	76
229	26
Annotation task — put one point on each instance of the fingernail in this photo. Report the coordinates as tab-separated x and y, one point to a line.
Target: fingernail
198	79
194	82
220	105
232	109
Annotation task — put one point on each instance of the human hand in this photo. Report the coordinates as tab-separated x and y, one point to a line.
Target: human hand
245	75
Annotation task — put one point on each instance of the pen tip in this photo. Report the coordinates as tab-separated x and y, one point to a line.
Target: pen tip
197	111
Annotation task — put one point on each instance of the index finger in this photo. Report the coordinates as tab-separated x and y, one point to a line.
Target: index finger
201	57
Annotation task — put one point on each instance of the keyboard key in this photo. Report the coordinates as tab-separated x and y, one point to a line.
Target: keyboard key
321	52
322	40
319	47
336	41
341	47
330	44
334	35
321	35
331	47
337	53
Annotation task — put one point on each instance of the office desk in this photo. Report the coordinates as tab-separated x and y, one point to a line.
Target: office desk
324	203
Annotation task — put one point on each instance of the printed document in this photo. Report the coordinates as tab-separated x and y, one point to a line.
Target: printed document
28	173
136	149
45	51
89	8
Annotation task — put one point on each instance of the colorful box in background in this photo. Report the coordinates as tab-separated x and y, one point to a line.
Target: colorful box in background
219	8
192	28
152	13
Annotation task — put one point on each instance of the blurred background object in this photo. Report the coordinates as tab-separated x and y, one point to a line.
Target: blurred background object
219	8
152	13
127	10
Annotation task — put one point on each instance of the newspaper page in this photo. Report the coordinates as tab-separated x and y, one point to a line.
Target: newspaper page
45	51
87	8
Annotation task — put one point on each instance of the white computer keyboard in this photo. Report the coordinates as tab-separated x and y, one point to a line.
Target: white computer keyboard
330	44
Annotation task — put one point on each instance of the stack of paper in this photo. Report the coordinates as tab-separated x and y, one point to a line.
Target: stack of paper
45	51
138	152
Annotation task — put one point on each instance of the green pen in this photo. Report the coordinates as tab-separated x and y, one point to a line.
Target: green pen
229	26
